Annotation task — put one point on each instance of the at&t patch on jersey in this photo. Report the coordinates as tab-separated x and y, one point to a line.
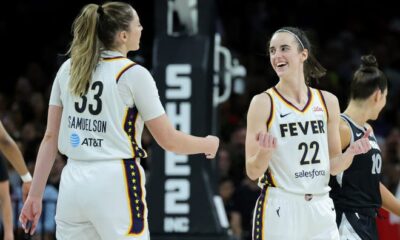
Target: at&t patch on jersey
74	140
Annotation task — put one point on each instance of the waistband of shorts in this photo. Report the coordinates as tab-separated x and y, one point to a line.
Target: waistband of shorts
108	161
274	192
371	212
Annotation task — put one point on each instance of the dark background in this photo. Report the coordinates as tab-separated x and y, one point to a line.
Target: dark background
36	34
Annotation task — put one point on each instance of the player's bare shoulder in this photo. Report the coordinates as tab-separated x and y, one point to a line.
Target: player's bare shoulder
261	100
332	105
260	106
329	98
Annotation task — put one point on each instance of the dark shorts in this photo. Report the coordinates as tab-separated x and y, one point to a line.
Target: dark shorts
360	223
3	170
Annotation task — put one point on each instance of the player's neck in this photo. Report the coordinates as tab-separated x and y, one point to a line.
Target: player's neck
357	112
121	50
295	91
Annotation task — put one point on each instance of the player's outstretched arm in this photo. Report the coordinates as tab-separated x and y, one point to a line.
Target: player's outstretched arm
32	208
179	142
259	143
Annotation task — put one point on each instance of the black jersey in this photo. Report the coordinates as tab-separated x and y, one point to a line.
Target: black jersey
358	186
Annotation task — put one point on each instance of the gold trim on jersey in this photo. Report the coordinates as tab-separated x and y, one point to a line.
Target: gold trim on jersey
111	59
135	196
129	126
259	224
273	181
268	179
126	67
290	105
321	97
127	195
126	133
272	112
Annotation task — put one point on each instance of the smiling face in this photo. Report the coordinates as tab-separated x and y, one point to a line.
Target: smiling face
286	57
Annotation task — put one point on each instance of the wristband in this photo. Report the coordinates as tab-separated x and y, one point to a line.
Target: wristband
26	177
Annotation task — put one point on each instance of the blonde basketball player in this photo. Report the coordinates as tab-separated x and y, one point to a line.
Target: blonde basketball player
99	104
293	145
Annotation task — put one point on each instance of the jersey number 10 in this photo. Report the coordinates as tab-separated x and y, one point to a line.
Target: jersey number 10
376	163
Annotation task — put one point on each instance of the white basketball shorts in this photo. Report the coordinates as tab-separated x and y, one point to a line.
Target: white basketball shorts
281	215
102	200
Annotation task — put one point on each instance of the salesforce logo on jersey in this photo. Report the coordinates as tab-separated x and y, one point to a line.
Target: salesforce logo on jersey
310	174
75	140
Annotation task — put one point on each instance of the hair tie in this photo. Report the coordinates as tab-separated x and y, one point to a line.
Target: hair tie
100	10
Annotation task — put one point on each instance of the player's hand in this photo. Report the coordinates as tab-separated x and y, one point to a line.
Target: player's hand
31	211
266	142
212	146
25	190
360	146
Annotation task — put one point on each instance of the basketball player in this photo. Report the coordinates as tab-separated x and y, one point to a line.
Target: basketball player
99	103
293	144
357	192
11	151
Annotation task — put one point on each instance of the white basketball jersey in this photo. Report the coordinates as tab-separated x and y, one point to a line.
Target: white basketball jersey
300	163
99	125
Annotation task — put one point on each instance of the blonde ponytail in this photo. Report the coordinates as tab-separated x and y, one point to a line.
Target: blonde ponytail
84	50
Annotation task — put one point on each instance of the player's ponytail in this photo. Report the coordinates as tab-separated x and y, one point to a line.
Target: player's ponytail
313	69
94	30
84	50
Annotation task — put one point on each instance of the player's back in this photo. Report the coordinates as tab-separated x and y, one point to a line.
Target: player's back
99	125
